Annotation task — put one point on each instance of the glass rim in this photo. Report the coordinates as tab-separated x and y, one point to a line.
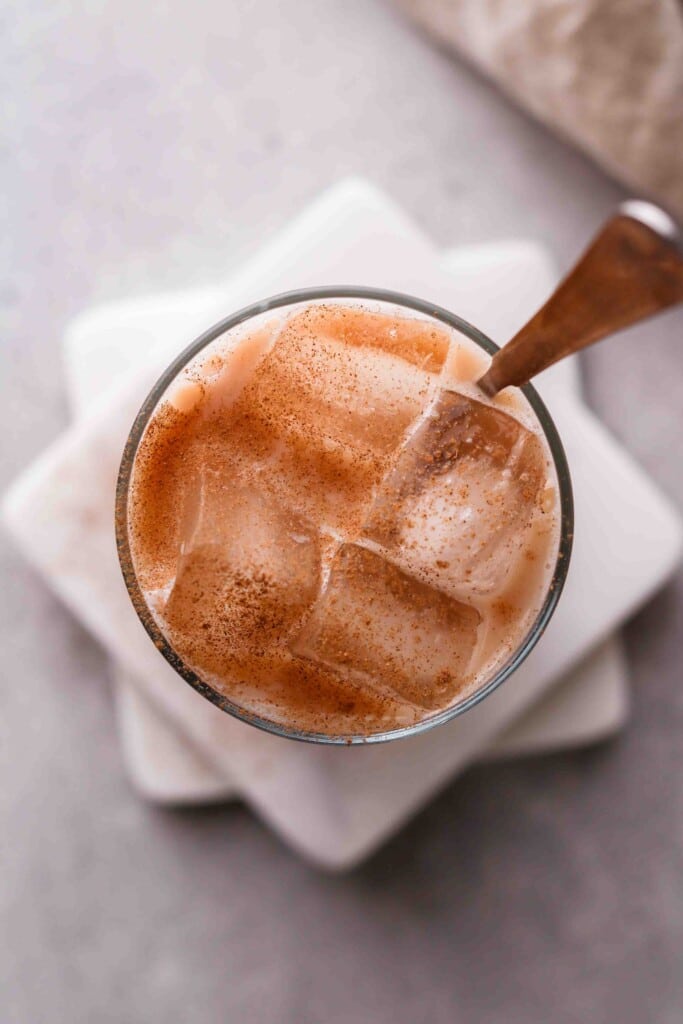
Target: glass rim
533	634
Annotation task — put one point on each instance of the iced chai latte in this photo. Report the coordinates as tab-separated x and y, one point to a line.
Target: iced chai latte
333	528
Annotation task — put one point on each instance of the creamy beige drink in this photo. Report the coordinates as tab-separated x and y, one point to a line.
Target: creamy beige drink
333	528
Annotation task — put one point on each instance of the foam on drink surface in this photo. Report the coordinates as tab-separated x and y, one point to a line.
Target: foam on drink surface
333	528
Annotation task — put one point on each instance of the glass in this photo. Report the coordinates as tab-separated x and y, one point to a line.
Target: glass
395	299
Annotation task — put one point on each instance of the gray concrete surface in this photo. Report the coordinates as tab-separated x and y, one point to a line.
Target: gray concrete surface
147	145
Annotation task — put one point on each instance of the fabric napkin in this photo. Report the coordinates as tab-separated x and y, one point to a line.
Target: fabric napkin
607	75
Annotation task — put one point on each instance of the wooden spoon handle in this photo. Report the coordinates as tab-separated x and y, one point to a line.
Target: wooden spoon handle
631	270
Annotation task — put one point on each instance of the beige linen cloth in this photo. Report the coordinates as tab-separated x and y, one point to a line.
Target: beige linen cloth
608	74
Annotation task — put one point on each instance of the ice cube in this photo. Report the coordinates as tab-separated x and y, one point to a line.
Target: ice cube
247	571
403	638
216	377
182	424
314	698
457	504
422	343
332	401
158	487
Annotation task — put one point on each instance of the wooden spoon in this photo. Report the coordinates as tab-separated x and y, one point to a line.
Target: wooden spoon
632	269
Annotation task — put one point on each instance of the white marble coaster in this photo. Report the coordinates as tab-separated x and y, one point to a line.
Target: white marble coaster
336	805
590	703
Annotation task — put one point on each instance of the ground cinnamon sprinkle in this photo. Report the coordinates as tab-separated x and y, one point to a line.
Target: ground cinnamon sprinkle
327	537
